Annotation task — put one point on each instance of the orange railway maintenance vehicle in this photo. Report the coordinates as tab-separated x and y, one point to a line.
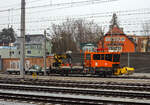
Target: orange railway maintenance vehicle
102	63
95	63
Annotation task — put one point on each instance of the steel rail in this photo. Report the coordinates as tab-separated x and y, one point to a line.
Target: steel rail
93	86
73	83
90	92
63	100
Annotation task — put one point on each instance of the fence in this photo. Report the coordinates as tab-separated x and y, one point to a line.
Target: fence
140	61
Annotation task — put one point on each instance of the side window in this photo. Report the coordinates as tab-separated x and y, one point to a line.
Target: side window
116	57
88	56
102	56
96	56
108	57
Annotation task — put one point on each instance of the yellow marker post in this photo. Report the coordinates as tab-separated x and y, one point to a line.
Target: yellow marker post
34	75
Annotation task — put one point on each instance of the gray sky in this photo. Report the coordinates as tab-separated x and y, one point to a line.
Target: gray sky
131	13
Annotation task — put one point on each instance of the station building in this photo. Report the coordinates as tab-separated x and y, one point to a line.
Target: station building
115	40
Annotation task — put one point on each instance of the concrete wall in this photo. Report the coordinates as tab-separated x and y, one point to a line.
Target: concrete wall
14	63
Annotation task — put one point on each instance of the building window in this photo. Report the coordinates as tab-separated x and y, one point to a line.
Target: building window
107	39
39	46
115	39
14	64
28	52
11	53
47	53
122	39
142	44
27	46
32	47
115	48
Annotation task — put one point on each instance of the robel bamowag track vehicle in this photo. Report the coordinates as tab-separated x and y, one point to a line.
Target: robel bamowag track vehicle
94	63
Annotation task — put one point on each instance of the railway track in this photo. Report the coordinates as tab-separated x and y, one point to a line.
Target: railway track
90	89
91	92
93	85
97	76
64	100
99	85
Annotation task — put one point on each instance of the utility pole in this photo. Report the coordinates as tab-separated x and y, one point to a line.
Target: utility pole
128	59
22	47
44	51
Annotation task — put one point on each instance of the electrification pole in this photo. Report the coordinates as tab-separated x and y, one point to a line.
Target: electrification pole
44	51
22	47
128	59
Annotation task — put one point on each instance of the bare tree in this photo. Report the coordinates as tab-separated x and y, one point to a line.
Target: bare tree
146	30
70	34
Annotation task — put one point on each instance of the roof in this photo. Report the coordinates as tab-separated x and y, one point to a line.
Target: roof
33	39
115	30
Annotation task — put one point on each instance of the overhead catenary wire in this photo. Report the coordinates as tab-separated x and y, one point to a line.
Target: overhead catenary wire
87	2
61	4
107	14
18	4
124	22
143	11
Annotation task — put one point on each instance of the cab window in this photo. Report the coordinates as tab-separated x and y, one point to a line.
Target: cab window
96	57
116	58
108	57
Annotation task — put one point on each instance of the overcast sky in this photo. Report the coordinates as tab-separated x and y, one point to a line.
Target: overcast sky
131	13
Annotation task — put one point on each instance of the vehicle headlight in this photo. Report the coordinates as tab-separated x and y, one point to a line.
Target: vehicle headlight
96	64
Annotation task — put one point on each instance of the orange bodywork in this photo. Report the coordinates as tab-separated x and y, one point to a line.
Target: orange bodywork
101	59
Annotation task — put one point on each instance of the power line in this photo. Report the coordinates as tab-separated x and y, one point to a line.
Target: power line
102	22
71	3
10	6
127	22
18	4
103	14
61	4
89	16
126	31
118	12
33	1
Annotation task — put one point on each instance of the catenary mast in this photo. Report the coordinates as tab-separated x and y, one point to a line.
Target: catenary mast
22	46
